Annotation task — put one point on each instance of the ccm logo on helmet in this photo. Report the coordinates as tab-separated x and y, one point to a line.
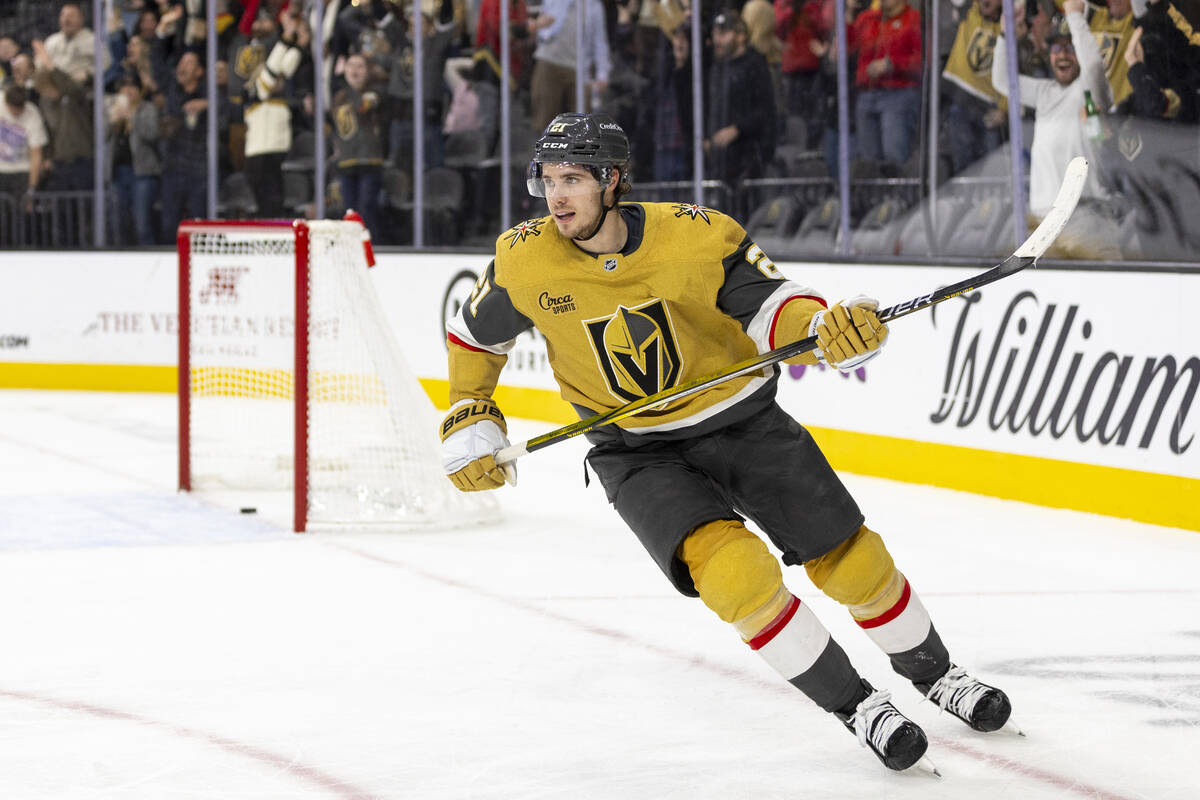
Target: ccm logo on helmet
554	146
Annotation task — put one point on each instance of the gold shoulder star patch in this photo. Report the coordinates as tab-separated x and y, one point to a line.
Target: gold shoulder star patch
692	210
530	227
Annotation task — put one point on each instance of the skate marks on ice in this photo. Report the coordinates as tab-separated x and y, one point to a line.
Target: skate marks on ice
1164	688
972	764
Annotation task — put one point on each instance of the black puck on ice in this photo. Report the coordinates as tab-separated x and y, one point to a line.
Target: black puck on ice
249	510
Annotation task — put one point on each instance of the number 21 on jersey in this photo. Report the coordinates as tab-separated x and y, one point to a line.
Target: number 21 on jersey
482	287
766	266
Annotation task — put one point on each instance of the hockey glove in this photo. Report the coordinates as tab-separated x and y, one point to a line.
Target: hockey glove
471	434
849	333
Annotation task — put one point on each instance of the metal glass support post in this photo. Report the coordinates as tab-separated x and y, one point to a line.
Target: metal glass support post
210	82
580	61
1015	133
98	194
418	42
843	95
935	108
319	89
505	118
697	110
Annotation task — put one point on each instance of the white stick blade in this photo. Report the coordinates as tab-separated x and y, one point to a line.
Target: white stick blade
1064	205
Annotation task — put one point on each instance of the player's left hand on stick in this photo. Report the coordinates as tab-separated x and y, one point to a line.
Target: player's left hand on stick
849	333
472	433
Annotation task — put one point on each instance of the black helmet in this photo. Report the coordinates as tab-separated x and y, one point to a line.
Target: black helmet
589	139
594	141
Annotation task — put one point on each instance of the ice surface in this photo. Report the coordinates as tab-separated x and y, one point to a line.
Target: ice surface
154	645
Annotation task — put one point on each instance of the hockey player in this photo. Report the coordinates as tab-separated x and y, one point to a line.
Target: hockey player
635	297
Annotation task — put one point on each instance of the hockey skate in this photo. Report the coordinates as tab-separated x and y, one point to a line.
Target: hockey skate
894	738
985	708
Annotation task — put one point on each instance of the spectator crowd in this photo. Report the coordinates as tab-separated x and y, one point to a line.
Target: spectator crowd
1096	79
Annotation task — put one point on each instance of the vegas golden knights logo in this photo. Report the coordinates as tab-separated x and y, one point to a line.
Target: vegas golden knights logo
1108	48
979	51
346	121
636	350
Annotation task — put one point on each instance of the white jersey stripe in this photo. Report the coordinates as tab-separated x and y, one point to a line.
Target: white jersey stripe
458	326
760	327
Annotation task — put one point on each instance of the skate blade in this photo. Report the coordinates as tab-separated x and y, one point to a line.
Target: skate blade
925	765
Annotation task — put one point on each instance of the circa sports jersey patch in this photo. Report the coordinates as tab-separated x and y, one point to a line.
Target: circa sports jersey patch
530	227
692	210
556	304
636	350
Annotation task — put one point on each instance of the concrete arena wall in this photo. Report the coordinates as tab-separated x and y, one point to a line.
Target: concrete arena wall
1041	388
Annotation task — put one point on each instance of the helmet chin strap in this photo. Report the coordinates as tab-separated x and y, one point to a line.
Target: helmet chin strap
603	216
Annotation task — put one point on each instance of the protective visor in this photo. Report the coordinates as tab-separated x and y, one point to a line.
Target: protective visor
567	180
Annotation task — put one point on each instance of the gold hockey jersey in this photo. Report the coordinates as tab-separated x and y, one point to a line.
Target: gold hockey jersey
969	64
689	294
1113	36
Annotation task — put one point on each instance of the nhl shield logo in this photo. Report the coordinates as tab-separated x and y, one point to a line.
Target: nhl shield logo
636	350
610	264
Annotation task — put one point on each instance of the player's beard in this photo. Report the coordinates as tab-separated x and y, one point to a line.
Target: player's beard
587	214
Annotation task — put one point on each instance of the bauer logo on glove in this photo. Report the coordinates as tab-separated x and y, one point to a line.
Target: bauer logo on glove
470	412
849	334
472	433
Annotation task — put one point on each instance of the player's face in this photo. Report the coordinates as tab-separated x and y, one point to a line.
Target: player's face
573	198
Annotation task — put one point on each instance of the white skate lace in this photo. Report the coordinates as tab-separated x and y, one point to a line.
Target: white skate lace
876	719
957	692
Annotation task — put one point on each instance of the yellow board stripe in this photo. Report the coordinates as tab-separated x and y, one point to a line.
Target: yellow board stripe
88	377
1143	496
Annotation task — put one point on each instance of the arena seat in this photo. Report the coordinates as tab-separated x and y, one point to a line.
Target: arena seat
817	236
879	230
773	223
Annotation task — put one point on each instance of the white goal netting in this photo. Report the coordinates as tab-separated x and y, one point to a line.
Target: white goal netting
373	455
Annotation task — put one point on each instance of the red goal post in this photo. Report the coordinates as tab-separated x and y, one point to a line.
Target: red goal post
291	380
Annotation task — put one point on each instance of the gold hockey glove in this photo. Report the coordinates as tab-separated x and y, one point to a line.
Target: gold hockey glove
849	333
471	434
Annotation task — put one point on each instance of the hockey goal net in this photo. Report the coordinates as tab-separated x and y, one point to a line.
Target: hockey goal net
291	381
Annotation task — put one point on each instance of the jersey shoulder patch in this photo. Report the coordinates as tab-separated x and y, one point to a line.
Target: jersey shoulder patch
693	212
521	232
695	228
527	250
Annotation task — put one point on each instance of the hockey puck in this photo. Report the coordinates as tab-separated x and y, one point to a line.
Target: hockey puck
249	510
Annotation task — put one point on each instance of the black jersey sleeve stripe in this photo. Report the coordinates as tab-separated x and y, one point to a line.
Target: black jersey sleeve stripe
750	280
488	319
745	288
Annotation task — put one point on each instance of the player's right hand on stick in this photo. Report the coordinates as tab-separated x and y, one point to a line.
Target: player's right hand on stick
849	333
471	434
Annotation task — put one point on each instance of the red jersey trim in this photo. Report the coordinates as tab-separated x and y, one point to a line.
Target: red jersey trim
779	623
778	311
891	613
450	337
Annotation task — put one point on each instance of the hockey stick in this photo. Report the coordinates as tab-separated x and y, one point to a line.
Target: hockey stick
1025	256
